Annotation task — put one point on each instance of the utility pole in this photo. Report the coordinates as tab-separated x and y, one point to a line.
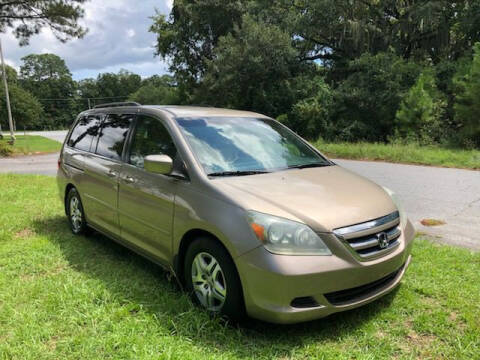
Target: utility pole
9	110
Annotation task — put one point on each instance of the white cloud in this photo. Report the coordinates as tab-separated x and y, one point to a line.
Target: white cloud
118	37
130	33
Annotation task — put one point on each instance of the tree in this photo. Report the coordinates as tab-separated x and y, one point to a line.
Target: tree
467	102
191	32
28	17
253	54
26	110
157	90
87	89
420	116
251	69
367	100
47	77
118	86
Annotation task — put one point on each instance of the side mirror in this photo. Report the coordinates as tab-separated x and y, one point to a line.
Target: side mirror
158	164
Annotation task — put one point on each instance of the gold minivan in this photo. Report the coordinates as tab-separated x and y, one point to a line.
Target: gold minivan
250	218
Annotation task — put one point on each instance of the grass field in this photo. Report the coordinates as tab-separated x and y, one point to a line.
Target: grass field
67	297
29	144
409	154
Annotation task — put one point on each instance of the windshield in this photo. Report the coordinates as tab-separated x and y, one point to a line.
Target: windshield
225	145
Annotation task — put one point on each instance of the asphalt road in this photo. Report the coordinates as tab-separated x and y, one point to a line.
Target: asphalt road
450	195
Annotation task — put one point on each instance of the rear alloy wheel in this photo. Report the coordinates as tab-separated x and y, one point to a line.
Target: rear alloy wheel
212	279
75	213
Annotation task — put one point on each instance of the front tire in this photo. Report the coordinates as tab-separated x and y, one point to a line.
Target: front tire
212	279
75	212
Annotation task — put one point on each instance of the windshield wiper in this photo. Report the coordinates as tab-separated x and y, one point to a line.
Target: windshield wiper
238	173
305	166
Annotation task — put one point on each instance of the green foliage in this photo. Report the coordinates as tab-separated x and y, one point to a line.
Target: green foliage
421	112
467	104
399	152
48	78
150	94
12	76
29	144
119	85
253	55
192	31
5	149
27	112
367	100
251	70
28	17
310	117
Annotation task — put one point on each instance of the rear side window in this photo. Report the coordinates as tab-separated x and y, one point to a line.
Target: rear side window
86	129
113	134
151	138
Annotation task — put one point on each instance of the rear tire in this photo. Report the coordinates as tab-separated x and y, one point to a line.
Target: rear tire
212	280
75	212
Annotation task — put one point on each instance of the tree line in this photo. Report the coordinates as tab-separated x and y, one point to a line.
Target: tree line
44	95
342	70
373	70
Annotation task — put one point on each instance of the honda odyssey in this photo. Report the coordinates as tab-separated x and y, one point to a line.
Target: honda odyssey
249	217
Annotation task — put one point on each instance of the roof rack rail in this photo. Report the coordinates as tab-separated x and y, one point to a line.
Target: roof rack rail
116	104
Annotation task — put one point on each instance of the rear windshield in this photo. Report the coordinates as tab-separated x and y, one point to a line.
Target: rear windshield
229	144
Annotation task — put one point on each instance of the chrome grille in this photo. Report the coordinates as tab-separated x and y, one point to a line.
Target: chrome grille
373	238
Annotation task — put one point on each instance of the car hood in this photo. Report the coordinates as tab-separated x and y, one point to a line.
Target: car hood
325	198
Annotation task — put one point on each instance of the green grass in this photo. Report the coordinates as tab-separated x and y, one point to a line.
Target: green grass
397	153
29	144
68	297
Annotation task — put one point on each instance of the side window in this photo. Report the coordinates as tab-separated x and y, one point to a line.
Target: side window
151	138
85	131
112	137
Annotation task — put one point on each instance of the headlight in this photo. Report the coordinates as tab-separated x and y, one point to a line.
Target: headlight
398	204
286	237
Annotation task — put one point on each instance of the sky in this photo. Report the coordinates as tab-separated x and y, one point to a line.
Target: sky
118	38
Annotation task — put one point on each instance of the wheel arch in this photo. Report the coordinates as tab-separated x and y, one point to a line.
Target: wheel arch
68	187
185	242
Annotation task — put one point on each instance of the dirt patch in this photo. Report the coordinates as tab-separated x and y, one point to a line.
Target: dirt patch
52	343
25	233
41	274
457	321
432	222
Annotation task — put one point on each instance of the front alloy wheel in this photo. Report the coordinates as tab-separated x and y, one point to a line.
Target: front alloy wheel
212	280
208	281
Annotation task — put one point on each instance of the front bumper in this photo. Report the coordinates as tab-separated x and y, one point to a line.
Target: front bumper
271	282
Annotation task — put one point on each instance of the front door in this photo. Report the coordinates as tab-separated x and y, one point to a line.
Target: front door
102	169
146	200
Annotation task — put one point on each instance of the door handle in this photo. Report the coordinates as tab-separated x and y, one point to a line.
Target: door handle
129	180
112	173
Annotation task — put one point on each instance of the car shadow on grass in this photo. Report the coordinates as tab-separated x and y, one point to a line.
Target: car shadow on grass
144	286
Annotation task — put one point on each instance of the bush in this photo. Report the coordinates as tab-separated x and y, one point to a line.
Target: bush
27	112
367	100
421	113
467	101
310	117
5	149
